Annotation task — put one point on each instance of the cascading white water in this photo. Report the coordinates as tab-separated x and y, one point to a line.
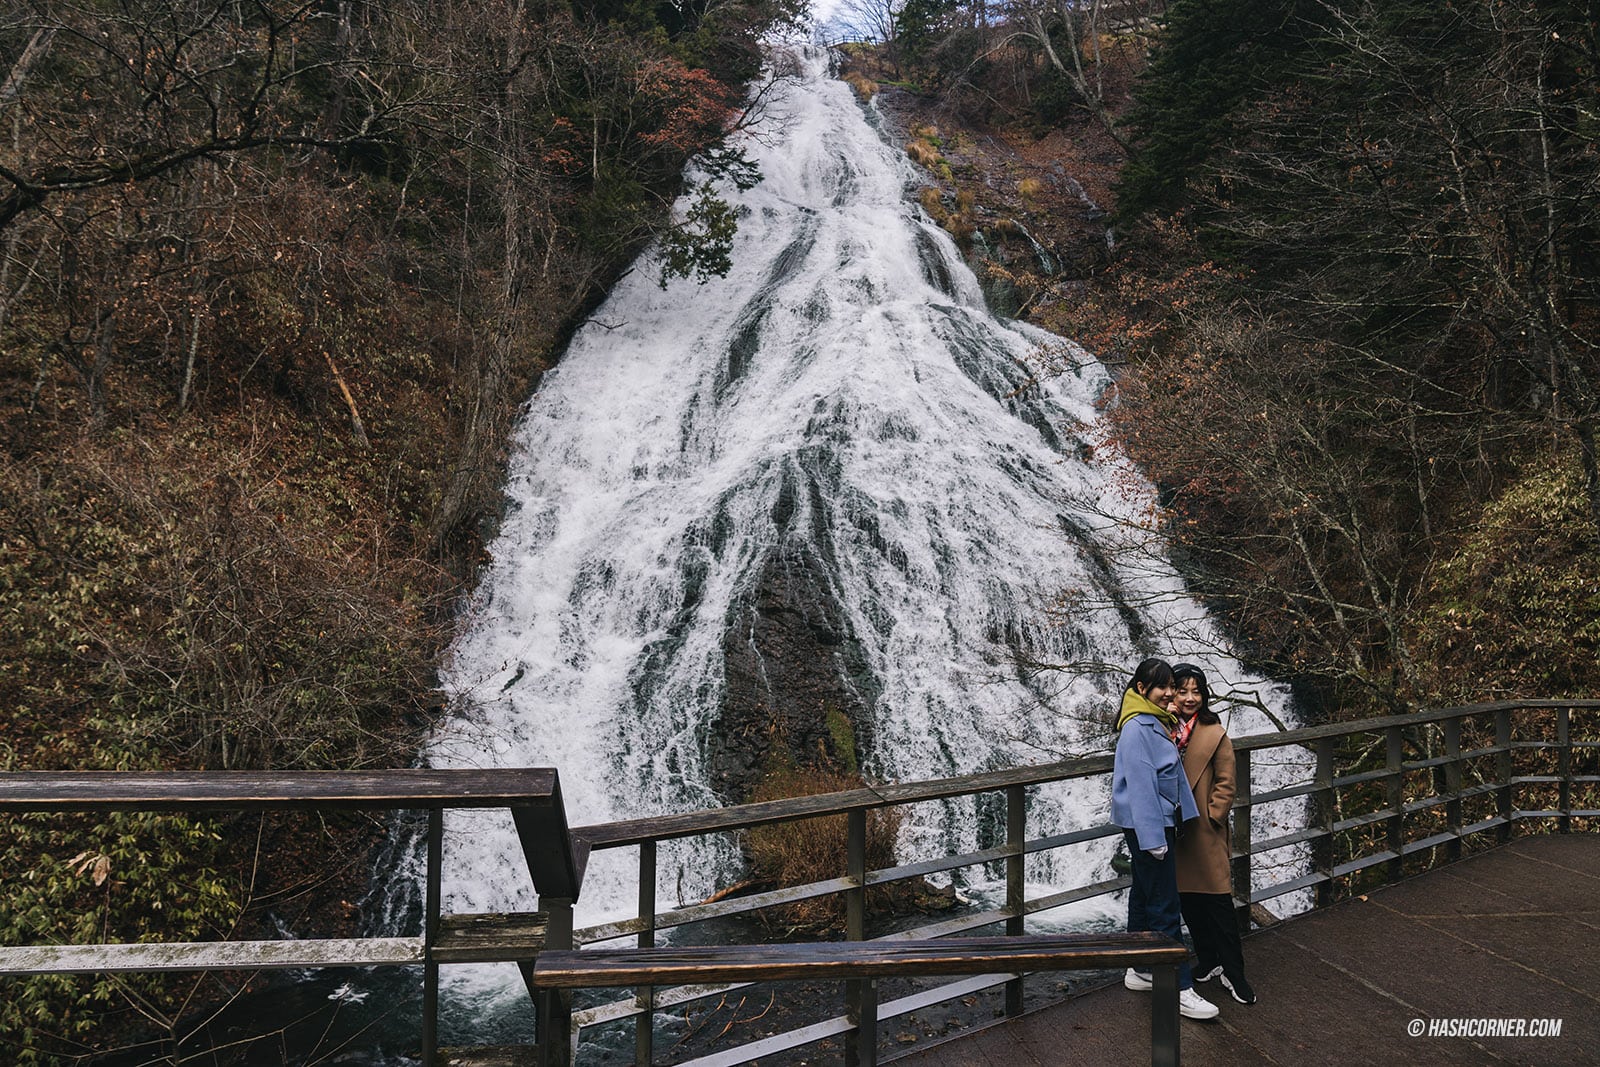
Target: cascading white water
846	370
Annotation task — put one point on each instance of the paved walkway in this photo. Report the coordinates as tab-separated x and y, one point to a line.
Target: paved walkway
1512	933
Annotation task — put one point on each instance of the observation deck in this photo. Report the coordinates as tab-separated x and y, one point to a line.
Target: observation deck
1449	855
1511	934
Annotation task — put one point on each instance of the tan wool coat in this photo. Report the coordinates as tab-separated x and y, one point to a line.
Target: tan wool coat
1203	850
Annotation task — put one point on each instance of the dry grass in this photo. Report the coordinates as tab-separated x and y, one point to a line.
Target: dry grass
959	223
813	850
923	153
1028	188
864	86
961	227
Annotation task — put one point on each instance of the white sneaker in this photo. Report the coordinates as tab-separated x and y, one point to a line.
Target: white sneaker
1139	980
1194	1006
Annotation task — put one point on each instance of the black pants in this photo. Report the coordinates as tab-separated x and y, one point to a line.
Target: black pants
1211	922
1153	897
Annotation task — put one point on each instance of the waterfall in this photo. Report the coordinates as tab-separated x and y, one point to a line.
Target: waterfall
843	393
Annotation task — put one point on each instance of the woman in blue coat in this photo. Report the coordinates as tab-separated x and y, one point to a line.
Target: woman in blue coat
1151	800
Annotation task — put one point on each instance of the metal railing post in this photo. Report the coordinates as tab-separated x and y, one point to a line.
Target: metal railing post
1324	809
1395	800
1452	783
1016	837
430	933
861	995
1564	769
1503	766
644	1027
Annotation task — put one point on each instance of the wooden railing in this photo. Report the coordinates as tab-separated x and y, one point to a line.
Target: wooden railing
533	796
1360	802
1365	801
863	964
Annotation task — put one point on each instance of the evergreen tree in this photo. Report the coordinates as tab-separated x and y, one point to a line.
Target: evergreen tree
1403	199
1214	58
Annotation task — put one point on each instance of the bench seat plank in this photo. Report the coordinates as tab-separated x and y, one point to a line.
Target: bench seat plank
63	791
669	965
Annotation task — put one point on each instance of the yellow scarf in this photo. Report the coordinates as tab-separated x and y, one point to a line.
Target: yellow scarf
1134	704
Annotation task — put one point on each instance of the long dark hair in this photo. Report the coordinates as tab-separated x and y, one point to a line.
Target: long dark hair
1189	670
1149	673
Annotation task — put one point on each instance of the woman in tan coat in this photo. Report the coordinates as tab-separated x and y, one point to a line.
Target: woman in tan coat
1205	885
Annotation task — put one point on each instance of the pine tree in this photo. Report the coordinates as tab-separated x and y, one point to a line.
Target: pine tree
1215	57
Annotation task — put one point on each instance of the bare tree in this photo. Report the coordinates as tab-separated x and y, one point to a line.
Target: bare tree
1070	34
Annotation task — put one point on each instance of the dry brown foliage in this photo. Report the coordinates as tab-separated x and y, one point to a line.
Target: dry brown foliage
864	86
814	850
923	153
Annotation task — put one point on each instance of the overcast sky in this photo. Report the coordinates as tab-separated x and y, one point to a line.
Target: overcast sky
823	10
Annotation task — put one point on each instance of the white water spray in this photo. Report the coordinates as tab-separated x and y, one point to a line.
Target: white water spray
847	373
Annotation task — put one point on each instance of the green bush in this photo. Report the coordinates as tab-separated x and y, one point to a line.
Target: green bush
1515	611
123	877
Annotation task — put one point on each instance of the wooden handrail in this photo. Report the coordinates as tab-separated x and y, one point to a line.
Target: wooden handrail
1307	734
837	960
554	858
531	794
861	964
743	816
70	791
626	832
1319	788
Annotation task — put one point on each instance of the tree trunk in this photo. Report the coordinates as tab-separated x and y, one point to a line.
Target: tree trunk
1591	476
188	363
486	407
35	49
358	429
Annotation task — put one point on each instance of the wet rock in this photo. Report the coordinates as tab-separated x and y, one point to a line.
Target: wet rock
794	692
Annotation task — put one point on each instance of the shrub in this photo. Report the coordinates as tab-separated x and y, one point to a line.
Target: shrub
961	227
219	617
124	876
1515	611
922	153
813	850
864	86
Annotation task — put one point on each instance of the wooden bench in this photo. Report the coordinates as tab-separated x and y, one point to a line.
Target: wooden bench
554	973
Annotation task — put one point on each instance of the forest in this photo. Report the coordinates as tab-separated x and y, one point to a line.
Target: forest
1352	305
276	277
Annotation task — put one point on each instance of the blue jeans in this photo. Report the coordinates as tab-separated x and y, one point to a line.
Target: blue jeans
1153	899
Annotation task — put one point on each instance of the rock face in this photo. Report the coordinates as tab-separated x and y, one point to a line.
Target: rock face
1028	209
798	690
